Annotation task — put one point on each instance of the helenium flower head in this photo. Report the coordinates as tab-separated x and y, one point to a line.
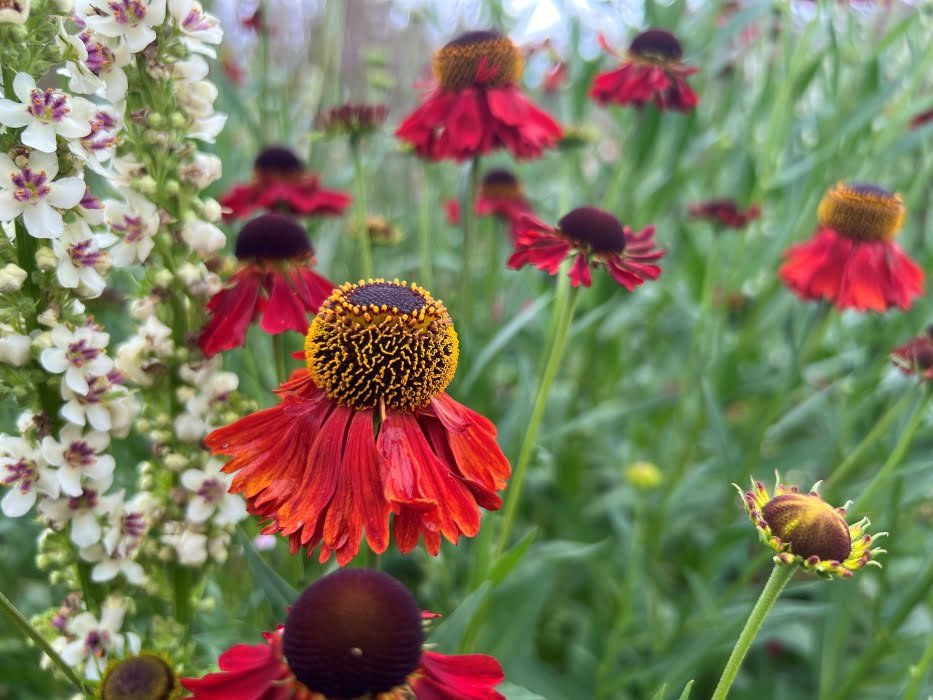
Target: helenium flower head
803	528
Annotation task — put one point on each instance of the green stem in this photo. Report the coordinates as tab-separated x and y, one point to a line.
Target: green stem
881	640
919	672
181	588
881	427
468	217
23	625
897	454
424	231
780	575
278	352
564	305
366	251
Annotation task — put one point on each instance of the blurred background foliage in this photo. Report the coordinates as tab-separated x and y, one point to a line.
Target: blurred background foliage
618	588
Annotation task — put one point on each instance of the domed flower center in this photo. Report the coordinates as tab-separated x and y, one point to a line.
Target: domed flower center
810	525
861	211
143	677
272	237
478	58
382	342
277	162
595	229
354	633
657	45
501	184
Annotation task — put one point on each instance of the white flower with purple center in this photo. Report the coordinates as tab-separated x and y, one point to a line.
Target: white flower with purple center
96	406
136	221
116	553
99	145
79	255
78	455
25	473
206	129
45	113
32	191
83	511
197	99
131	20
202	170
99	66
209	497
92	642
79	354
198	27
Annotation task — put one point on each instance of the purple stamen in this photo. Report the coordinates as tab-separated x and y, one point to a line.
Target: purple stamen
211	490
196	21
99	57
97	642
129	12
134	524
30	185
86	501
48	106
24	471
131	228
82	255
80	454
79	353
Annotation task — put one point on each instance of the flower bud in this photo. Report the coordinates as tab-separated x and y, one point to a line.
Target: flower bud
171	187
210	210
162	278
12	278
178	120
46	258
15	349
643	475
49	317
147	184
155	120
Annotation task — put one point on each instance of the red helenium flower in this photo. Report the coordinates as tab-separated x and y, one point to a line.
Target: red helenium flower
852	260
500	194
352	633
368	430
277	284
650	71
916	356
593	238
477	105
724	212
280	182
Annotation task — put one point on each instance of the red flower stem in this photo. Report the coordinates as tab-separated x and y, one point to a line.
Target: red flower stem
468	216
424	230
780	575
564	304
897	454
366	251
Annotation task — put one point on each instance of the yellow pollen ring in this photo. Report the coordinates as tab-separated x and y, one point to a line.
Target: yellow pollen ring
496	62
362	355
864	215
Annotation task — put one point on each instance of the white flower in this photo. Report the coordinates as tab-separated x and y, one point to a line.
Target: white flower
99	145
136	220
15	348
30	191
143	308
198	280
197	99
45	113
99	68
79	354
190	70
14	13
132	20
96	640
11	278
129	523
202	170
106	406
206	129
107	566
198	27
203	237
190	547
25	473
76	456
218	545
91	209
209	496
83	511
79	254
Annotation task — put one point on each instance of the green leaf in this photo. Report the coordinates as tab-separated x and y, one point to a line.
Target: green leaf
278	591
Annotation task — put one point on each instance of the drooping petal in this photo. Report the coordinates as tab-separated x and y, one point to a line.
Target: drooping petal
284	309
458	677
232	309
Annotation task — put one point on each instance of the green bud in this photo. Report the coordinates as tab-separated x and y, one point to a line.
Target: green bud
147	184
171	187
18	32
178	120
155	120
